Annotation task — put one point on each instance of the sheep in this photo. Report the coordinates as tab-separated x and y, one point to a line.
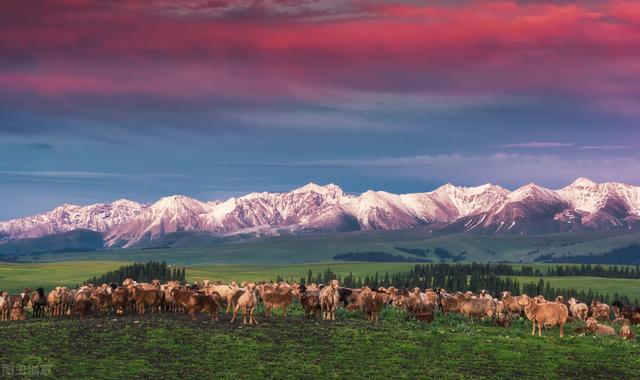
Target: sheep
511	303
578	310
225	291
544	314
279	297
600	311
5	306
247	303
598	328
17	311
329	299
203	302
120	300
477	307
626	333
373	303
38	303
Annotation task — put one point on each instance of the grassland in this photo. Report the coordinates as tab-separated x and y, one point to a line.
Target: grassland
169	346
322	248
14	277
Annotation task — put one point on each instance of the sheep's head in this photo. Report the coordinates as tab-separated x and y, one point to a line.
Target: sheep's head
560	299
572	301
505	294
335	284
524	300
591	323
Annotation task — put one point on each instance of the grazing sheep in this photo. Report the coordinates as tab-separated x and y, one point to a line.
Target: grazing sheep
279	297
598	328
329	299
83	308
226	292
203	302
512	304
5	306
17	312
544	314
630	313
145	296
310	301
476	308
578	310
373	303
247	303
38	302
103	302
626	333
120	300
600	311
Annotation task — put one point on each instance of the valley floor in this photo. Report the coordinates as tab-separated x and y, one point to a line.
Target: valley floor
170	346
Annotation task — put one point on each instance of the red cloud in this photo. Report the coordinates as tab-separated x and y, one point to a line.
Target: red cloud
288	48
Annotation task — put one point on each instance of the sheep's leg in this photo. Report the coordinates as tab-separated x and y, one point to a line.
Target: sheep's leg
562	330
284	312
539	328
252	317
235	314
244	315
533	325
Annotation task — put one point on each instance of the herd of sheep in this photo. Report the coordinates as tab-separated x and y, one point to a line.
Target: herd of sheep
319	301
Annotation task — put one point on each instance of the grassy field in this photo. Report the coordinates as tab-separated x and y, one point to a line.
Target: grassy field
169	346
15	277
322	248
628	287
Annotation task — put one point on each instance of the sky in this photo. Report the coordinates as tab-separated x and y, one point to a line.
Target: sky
139	99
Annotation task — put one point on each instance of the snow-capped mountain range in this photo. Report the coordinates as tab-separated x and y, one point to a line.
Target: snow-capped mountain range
488	209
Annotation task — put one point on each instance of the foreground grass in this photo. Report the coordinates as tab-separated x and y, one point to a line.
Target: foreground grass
169	346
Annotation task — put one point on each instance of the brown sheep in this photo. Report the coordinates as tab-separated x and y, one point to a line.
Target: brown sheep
103	302
5	306
120	300
626	333
329	299
310	301
544	314
476	308
578	310
373	303
202	302
17	312
83	308
38	302
279	297
512	304
226	292
598	328
247	303
145	296
600	311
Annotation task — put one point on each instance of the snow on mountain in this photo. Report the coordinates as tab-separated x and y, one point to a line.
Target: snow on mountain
313	208
99	217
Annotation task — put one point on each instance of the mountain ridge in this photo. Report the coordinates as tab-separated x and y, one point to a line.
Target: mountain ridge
487	209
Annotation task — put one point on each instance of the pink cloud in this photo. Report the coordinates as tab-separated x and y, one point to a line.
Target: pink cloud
285	49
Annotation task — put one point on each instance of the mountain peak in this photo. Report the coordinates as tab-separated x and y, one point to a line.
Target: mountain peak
583	182
313	187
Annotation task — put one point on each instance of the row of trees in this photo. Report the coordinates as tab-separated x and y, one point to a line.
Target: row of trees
611	271
142	272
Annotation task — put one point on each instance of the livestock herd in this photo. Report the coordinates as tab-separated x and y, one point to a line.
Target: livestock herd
317	301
